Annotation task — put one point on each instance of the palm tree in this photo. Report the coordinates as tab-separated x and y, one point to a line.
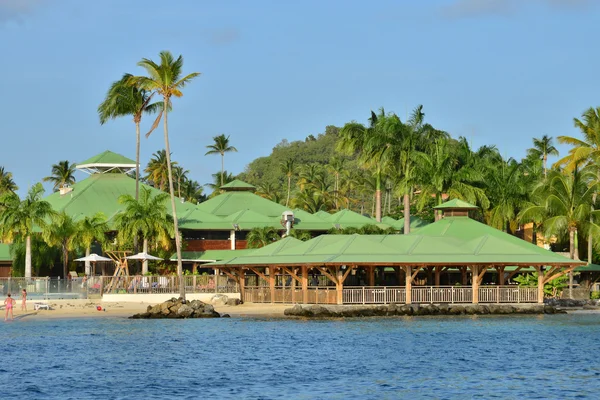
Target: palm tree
63	174
167	81
123	99
288	168
7	184
269	191
507	193
220	146
180	175
311	200
89	230
337	166
300	235
19	218
565	204
158	169
192	191
216	184
587	149
260	237
62	232
146	218
542	148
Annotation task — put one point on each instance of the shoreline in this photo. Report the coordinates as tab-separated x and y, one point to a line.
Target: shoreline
74	309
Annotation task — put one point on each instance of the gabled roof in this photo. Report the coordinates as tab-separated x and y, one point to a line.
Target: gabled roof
588	268
210	255
456	203
416	223
100	193
107	157
238	185
5	252
228	203
349	219
323	214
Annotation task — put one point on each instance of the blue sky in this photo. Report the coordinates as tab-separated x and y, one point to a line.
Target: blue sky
496	71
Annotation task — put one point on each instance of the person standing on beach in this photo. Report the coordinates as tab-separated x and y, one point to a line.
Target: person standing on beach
8	305
24	300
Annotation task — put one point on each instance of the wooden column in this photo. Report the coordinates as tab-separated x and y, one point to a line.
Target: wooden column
463	276
339	285
408	287
540	291
242	282
501	280
304	284
475	283
216	280
293	285
272	283
429	276
371	275
398	271
438	270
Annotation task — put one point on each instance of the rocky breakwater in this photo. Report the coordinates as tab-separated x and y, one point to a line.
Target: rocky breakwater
179	308
318	311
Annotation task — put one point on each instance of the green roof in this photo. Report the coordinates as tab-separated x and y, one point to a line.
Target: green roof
229	203
323	214
350	219
108	157
456	203
236	184
211	255
415	223
450	241
588	268
5	252
100	193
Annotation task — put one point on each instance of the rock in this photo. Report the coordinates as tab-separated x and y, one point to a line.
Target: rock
501	309
219	300
185	311
225	316
319	311
233	302
549	310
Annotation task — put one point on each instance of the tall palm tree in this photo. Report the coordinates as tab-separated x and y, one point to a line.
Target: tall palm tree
216	184
180	176
542	148
7	184
62	232
337	166
20	218
89	230
193	191
220	146
288	168
507	192
125	99
167	80
157	169
269	191
63	174
260	237
146	218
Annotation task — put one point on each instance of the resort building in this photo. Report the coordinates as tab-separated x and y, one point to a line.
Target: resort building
5	260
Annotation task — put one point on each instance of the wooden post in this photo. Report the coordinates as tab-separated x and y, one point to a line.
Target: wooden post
438	270
463	275
398	271
540	291
371	275
216	280
500	271
304	284
429	276
293	286
408	287
339	286
242	281
475	283
272	283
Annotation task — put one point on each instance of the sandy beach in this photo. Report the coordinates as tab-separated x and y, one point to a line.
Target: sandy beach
88	309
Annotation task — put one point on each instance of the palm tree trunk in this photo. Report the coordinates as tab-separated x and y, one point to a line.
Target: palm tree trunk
87	263
289	189
571	244
378	197
137	159
222	168
173	210
545	169
406	213
145	263
65	261
590	237
576	246
28	257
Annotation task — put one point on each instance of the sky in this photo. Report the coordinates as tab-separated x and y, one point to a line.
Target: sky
495	71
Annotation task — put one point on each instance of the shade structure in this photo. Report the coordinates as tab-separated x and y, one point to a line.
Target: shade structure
144	257
93	258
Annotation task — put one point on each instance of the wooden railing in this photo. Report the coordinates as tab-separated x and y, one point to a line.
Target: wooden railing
503	294
165	284
373	295
288	294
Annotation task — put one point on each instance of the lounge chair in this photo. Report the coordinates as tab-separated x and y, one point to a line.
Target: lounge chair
41	306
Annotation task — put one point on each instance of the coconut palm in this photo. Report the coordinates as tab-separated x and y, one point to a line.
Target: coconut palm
311	200
193	191
260	237
216	184
587	149
300	235
288	168
125	99
542	148
336	167
62	232
220	146
269	191
146	218
167	81
21	218
180	176
7	184
63	174
89	230
157	169
507	192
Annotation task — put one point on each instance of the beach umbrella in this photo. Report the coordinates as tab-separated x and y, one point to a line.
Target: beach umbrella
144	257
93	258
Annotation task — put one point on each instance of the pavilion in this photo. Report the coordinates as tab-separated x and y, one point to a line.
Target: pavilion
453	243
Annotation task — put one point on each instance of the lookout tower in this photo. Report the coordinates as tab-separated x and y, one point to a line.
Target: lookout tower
107	162
454	208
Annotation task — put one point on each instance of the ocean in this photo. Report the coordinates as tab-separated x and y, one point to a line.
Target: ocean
549	356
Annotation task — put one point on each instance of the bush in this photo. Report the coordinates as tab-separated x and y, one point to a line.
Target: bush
595	295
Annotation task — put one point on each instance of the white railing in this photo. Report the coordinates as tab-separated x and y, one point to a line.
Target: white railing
165	284
373	295
288	294
503	294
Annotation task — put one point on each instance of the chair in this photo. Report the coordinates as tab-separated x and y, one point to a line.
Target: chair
41	306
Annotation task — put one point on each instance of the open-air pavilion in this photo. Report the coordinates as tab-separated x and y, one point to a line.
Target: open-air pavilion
342	269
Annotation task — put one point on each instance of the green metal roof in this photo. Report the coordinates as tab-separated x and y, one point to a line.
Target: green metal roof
5	252
236	184
456	203
451	241
350	219
211	255
229	203
416	223
588	268
108	157
100	193
323	214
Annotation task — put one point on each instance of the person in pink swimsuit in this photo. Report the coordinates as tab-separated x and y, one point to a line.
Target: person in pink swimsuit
8	305
23	300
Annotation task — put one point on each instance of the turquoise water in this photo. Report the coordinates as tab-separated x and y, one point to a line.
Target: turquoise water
553	356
